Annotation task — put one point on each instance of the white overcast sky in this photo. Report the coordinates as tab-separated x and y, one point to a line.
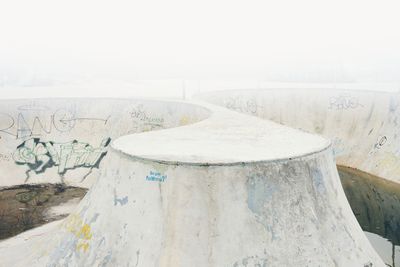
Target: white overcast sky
200	39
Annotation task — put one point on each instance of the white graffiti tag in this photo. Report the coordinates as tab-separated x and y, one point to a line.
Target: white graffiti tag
42	155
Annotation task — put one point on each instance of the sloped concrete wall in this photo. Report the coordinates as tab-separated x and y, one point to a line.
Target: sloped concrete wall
55	140
279	213
363	126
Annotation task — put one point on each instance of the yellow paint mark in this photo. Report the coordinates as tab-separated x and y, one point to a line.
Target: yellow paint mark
75	225
185	120
84	246
389	161
84	232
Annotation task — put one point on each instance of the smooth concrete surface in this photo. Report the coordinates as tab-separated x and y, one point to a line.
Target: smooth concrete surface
223	138
266	195
362	125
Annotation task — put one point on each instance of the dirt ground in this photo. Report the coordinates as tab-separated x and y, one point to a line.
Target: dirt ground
26	206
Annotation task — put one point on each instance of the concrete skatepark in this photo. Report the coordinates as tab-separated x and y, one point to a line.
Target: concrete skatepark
200	183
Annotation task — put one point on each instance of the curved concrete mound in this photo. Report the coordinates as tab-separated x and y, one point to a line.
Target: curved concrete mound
228	190
363	125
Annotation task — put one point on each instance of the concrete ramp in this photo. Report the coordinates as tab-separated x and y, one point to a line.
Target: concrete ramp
362	125
228	190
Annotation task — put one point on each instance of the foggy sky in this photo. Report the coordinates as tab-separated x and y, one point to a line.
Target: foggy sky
287	40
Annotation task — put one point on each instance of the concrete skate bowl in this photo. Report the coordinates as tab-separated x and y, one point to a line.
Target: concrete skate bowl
364	129
225	189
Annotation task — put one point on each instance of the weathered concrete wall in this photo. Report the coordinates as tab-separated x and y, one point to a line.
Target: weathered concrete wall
363	126
283	213
230	190
54	140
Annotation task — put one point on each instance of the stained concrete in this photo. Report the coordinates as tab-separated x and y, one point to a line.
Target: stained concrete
265	195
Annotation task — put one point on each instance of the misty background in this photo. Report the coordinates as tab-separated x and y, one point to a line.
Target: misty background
177	48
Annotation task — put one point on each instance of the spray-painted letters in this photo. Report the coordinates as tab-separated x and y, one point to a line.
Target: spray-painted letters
40	155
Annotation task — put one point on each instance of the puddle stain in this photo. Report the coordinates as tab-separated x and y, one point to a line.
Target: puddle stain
24	207
376	204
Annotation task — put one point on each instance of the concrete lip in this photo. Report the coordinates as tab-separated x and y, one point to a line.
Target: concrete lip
225	138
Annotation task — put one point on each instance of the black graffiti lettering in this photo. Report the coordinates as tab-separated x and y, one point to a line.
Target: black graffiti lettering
344	102
381	141
242	105
10	124
139	114
38	130
63	120
35	126
25	130
85	119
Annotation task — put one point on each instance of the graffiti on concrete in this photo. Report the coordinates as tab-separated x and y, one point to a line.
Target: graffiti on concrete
139	114
156	176
252	261
80	230
381	141
23	126
243	105
40	155
4	157
344	102
37	124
